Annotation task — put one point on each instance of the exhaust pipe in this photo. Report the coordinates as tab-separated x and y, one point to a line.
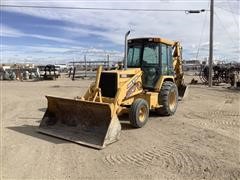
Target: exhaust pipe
126	50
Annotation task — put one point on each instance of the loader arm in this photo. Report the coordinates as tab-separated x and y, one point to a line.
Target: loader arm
92	119
130	88
94	90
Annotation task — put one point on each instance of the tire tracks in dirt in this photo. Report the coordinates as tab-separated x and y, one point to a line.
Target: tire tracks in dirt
170	158
221	118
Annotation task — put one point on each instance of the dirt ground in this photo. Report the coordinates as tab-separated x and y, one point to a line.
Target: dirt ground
201	141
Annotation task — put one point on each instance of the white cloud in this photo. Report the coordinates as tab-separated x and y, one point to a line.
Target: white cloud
56	39
7	31
112	25
50	54
205	45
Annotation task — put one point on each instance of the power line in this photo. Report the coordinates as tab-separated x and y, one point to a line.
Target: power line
226	10
99	9
202	32
234	17
224	27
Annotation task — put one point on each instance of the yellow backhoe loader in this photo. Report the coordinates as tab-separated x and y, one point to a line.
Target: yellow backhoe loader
152	79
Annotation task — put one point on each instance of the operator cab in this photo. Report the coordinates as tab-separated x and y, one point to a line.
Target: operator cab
153	56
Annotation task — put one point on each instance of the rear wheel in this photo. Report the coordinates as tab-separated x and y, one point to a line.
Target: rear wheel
139	113
168	98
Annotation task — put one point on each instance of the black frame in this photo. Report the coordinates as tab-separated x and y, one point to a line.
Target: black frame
169	61
141	54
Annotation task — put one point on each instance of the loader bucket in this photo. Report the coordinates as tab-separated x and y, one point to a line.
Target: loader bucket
83	122
182	92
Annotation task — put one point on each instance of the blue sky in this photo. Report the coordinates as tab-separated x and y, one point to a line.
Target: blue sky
58	35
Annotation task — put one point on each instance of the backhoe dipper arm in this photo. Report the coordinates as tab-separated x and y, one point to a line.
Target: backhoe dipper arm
177	63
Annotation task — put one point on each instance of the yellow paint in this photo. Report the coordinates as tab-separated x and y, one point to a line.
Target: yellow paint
129	86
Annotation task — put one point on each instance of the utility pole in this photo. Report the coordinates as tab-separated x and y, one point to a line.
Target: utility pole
210	59
108	62
85	63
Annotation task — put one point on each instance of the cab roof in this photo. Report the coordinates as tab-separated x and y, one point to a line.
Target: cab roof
152	39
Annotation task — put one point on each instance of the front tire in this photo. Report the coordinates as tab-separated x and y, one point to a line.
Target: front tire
168	98
139	113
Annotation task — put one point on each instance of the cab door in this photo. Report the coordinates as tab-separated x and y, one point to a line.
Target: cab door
166	60
150	65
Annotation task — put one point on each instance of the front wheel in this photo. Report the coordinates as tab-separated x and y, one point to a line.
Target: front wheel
139	113
168	98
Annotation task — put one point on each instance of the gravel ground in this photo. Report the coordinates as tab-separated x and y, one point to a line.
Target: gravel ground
201	141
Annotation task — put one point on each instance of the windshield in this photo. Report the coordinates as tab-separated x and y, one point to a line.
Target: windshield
149	56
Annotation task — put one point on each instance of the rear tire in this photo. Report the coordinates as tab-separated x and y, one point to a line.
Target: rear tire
168	98
139	113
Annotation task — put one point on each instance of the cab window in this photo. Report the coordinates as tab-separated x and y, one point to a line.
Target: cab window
133	59
150	55
164	59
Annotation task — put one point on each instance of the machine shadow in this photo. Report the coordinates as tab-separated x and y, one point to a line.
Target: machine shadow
124	121
32	131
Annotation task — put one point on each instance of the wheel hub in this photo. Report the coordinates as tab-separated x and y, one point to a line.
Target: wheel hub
142	114
172	100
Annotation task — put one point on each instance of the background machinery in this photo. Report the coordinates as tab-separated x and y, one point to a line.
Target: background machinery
222	73
49	72
151	80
